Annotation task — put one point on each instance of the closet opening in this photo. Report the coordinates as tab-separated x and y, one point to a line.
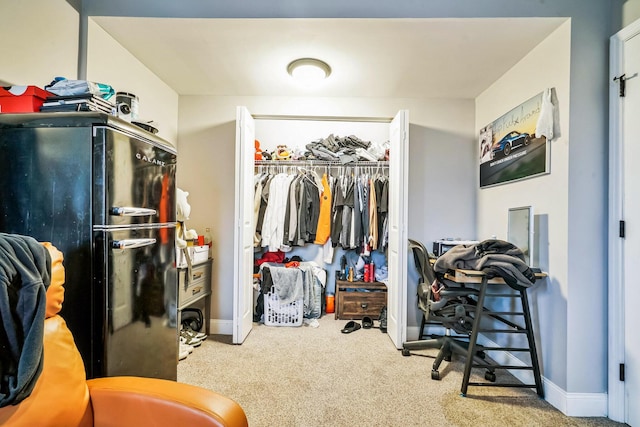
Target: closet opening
288	145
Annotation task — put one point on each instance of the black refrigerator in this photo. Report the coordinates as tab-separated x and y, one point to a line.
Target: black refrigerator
103	192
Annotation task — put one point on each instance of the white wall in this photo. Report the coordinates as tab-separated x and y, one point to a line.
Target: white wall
209	131
441	141
38	41
109	63
630	12
588	212
544	67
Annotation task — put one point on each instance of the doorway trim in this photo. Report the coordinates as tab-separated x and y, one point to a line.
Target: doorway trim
399	336
616	324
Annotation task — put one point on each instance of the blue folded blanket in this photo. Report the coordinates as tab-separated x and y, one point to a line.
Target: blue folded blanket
25	274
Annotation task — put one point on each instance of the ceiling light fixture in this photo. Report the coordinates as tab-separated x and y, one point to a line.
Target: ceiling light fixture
308	70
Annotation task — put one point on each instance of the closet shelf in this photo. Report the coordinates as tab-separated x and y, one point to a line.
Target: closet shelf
380	163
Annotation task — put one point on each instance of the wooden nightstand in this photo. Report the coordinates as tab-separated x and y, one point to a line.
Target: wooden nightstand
193	289
354	300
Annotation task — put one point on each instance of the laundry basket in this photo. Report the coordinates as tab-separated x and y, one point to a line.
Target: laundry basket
278	314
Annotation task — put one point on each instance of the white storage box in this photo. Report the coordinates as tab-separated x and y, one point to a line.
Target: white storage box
277	314
197	254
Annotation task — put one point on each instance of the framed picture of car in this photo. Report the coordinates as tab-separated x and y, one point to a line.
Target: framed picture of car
509	148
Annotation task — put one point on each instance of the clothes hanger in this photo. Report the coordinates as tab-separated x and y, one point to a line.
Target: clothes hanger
305	175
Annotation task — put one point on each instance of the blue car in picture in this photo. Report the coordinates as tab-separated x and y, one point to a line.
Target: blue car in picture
510	142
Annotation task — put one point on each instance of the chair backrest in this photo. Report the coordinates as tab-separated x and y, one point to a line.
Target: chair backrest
449	306
421	259
426	276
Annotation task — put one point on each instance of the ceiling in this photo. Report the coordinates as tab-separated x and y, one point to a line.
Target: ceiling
398	58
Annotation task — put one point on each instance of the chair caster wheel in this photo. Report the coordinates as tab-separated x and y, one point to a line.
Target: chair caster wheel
406	352
435	375
490	376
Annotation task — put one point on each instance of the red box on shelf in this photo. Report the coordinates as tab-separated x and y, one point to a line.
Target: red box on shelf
22	99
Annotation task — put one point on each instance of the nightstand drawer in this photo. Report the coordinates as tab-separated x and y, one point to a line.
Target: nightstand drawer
198	285
354	300
356	305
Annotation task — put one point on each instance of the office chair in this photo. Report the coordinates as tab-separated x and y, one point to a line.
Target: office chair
444	303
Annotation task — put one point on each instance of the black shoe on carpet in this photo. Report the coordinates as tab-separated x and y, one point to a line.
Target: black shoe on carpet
350	327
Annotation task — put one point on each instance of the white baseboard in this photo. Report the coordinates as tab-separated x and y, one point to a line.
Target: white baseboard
570	404
576	404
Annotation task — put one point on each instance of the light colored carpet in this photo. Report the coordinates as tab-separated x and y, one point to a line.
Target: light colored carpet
305	376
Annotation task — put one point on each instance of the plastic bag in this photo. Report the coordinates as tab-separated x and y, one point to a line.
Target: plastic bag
377	150
63	87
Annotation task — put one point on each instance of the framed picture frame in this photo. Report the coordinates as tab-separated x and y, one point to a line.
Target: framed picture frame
508	146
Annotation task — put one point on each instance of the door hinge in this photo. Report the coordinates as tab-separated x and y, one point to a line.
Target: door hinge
622	372
621	84
622	227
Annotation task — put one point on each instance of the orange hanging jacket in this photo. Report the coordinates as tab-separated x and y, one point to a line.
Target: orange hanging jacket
323	231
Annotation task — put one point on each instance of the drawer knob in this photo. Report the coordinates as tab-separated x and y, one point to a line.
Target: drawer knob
364	305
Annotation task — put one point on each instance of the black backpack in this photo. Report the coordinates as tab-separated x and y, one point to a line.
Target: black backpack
192	319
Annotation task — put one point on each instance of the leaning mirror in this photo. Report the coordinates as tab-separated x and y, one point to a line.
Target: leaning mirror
520	230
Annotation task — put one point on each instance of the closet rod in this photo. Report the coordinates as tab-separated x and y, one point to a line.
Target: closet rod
323	118
381	163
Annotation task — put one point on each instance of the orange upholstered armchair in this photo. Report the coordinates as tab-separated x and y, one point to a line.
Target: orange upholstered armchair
63	397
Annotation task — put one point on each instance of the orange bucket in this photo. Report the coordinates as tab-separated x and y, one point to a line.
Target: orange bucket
330	303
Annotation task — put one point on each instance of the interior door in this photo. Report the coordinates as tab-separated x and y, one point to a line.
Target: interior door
243	241
397	252
631	212
624	291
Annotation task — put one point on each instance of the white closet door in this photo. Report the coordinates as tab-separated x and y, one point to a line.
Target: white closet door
243	242
397	253
631	243
624	316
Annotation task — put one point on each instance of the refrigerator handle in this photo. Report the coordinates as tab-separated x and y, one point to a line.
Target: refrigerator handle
131	211
131	243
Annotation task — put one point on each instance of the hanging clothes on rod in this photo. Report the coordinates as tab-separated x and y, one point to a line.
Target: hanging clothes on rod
294	206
